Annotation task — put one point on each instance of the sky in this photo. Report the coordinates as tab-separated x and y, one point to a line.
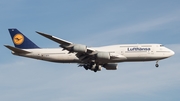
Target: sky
93	23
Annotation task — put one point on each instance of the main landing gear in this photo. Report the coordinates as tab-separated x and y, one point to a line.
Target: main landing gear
92	66
157	65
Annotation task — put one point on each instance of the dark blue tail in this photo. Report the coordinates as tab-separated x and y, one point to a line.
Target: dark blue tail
20	40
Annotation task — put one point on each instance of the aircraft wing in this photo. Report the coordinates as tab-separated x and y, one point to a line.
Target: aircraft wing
84	53
58	40
68	45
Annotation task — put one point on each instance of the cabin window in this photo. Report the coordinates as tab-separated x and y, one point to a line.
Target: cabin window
146	46
128	46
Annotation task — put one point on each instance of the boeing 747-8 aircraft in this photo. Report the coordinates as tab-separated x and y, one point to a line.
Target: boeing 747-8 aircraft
93	58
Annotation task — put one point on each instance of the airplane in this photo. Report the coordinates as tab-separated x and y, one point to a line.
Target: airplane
91	58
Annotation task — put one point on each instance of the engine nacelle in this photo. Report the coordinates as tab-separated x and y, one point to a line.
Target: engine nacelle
79	48
103	56
111	66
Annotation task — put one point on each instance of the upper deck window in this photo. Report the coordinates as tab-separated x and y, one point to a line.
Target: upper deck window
161	45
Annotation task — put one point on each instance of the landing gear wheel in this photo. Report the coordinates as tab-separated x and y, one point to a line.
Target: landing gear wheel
157	65
96	68
86	67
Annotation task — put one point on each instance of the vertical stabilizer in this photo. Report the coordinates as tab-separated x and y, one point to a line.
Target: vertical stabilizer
20	40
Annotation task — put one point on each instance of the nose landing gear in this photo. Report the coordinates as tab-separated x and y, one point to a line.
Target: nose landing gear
157	65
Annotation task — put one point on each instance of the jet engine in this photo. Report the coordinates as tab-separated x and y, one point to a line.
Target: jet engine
111	66
79	48
103	56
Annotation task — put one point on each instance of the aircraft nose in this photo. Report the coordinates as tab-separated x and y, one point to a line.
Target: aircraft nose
172	53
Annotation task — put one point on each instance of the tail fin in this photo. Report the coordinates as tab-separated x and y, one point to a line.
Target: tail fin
20	40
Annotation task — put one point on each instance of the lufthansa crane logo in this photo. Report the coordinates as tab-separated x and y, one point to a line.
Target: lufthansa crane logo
18	39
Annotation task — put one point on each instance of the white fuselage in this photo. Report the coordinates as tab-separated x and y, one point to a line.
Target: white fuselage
123	53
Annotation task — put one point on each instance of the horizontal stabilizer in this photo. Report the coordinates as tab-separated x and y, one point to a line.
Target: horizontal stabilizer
16	50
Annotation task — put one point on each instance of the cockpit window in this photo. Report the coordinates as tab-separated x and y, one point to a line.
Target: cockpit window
161	45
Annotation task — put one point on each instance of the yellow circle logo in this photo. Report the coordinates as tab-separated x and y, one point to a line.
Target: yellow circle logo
18	39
